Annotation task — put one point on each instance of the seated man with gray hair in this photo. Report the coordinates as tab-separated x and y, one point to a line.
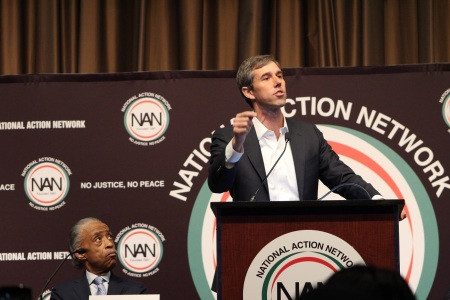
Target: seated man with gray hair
93	248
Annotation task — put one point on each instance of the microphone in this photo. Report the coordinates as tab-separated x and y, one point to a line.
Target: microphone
79	251
287	139
345	184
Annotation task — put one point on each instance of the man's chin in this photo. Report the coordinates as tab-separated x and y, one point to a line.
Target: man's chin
111	264
103	269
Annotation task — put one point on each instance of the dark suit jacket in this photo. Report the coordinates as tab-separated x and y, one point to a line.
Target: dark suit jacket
78	289
314	160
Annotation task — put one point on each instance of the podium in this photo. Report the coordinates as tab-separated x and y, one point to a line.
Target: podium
244	228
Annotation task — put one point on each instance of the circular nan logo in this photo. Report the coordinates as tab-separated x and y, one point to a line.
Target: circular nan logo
146	118
46	183
140	249
295	263
445	100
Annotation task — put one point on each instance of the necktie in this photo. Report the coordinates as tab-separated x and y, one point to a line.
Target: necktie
101	290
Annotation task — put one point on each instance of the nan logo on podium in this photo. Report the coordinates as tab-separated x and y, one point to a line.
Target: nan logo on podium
295	263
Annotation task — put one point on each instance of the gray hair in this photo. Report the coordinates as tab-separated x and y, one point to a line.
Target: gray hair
75	239
244	77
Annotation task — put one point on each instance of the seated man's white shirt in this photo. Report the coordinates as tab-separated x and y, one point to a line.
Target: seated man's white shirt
92	286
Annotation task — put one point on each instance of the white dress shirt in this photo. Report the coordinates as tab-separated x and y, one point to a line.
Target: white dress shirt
92	286
282	182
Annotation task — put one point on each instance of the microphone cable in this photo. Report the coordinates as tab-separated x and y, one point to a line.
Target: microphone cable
345	184
80	251
287	139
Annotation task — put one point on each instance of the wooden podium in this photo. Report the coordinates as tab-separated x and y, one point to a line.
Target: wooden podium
243	228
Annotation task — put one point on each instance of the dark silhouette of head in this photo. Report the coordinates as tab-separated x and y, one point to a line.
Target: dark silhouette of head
364	282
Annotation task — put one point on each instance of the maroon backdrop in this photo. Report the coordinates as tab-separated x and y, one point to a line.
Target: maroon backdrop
77	145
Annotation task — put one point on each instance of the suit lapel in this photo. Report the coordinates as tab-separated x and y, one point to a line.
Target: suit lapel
81	288
253	151
297	146
114	287
297	143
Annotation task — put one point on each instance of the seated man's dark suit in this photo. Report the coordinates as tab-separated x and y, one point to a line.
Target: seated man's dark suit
78	289
314	160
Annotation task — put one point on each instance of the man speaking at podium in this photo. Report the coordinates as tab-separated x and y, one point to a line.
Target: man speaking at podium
92	245
265	157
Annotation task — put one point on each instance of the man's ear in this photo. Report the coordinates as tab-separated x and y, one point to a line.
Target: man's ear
81	257
248	93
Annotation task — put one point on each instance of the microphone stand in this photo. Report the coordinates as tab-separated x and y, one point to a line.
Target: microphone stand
56	271
345	184
287	138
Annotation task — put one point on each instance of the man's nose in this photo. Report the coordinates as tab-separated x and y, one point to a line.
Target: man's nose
109	242
277	81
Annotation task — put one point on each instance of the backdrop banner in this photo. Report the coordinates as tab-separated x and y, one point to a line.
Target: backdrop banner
132	149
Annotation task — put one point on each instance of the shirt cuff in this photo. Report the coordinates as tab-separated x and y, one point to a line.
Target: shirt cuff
232	156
